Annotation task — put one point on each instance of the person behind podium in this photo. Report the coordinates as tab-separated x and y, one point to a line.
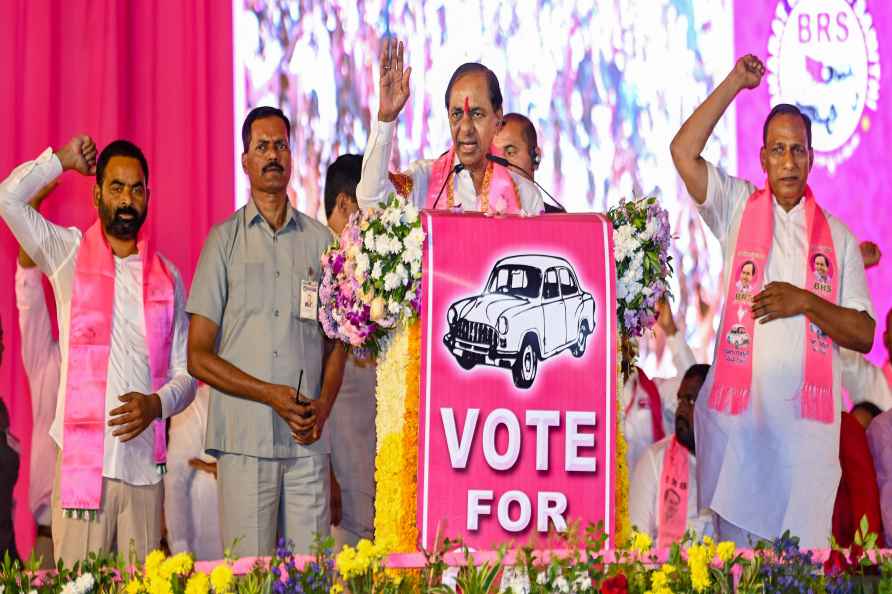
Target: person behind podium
462	177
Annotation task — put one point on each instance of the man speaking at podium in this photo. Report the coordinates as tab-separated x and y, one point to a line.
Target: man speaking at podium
464	176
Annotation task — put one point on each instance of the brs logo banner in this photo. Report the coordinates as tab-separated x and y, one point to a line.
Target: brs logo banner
518	386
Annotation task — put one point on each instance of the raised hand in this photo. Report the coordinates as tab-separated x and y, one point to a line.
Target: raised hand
394	81
749	71
664	317
871	253
79	154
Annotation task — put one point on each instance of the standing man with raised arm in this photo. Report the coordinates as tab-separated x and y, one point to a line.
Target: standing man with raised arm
122	339
463	177
255	339
769	418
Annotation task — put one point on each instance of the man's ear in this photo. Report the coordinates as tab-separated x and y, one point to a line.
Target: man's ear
97	195
537	158
763	159
245	162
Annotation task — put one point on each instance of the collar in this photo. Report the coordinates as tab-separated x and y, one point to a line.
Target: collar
253	216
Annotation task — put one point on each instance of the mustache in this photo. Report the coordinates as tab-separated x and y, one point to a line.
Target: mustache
126	210
273	166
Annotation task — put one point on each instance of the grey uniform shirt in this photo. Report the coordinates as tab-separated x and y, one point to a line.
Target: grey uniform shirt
248	282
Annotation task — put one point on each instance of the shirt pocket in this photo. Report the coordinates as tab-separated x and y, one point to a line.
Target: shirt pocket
246	288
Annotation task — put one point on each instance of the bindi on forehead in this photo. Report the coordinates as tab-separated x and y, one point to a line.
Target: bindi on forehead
467	105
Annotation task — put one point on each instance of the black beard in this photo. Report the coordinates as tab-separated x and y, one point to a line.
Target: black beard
684	433
117	226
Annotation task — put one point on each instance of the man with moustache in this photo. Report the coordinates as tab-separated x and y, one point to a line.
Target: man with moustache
122	339
255	339
663	502
769	421
468	179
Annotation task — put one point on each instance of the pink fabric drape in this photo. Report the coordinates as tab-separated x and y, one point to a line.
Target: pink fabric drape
158	72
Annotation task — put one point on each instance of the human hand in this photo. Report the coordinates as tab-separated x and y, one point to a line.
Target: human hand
135	415
79	154
394	81
870	253
779	300
748	71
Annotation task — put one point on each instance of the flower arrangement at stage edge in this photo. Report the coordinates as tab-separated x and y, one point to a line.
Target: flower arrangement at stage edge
371	275
641	239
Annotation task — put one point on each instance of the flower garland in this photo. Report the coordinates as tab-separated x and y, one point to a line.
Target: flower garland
623	523
396	426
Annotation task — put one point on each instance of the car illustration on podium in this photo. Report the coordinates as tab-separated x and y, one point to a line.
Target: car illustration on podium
531	309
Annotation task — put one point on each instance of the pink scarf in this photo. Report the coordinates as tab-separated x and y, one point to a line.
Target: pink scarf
731	389
502	193
672	507
89	349
653	401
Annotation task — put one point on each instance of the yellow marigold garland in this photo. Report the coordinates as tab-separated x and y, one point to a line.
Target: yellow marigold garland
623	527
396	464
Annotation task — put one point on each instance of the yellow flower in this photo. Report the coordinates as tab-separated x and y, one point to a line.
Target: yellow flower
180	564
641	542
221	579
668	568
198	584
336	589
160	586
726	551
698	562
133	587
153	563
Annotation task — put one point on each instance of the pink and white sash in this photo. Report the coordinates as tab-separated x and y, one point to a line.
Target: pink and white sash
502	194
89	348
672	507
732	387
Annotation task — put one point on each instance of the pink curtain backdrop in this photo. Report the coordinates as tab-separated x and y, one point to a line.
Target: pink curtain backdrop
157	72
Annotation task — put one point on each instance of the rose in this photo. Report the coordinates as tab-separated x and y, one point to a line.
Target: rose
618	584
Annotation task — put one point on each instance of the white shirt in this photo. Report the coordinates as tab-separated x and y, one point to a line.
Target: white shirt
53	248
374	185
765	470
644	496
40	356
190	495
637	424
864	381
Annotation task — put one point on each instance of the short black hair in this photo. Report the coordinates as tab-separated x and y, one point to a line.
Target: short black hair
528	130
495	91
120	148
869	407
259	113
342	176
4	416
748	262
786	109
698	370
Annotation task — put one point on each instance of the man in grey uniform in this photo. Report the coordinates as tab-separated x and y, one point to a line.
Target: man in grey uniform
256	340
352	424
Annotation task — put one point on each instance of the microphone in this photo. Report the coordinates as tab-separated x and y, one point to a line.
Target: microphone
455	171
506	163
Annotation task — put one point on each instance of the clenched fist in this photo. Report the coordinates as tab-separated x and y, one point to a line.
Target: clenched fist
749	71
79	154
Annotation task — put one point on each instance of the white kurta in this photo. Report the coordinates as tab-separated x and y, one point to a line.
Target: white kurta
190	495
53	249
375	186
864	381
40	356
766	470
637	425
352	430
643	499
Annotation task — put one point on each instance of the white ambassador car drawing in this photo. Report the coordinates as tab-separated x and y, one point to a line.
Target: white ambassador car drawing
532	308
